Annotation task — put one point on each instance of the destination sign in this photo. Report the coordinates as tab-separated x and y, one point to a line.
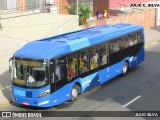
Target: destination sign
20	81
30	63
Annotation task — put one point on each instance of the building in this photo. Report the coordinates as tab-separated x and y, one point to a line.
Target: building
8	4
22	5
96	5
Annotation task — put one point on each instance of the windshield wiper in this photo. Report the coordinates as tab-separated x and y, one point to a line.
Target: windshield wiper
19	73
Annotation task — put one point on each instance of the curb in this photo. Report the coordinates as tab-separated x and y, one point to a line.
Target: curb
6	103
151	43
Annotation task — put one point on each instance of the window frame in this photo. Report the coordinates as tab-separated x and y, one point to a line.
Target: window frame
88	66
67	65
64	77
142	36
111	43
97	48
104	47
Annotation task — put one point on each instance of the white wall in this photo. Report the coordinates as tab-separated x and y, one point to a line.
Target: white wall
3	4
12	4
30	27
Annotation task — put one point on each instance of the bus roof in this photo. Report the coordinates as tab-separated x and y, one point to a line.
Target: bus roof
52	47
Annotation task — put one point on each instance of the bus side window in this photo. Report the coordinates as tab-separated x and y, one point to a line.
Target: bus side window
139	37
114	46
72	66
59	69
94	58
102	54
124	42
133	39
83	62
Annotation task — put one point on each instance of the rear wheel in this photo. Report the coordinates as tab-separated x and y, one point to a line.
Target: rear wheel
125	68
75	93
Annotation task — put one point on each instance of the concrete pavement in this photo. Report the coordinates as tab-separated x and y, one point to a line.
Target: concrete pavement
9	45
152	34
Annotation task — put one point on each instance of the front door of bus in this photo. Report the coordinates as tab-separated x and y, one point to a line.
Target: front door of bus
104	74
58	72
52	76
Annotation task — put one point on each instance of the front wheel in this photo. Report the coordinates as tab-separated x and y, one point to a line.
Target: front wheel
74	93
125	68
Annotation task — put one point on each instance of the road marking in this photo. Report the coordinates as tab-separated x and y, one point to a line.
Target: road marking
131	101
151	43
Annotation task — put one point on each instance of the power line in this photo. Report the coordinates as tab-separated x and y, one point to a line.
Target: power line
58	27
37	25
45	36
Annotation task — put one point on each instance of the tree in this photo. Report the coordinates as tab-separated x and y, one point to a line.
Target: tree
72	10
84	13
83	10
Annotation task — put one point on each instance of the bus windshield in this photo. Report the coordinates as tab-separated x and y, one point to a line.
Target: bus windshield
29	73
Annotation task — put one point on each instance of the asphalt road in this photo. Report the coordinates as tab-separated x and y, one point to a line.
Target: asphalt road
138	91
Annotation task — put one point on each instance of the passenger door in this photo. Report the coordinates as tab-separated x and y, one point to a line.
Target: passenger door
60	72
104	74
52	65
115	53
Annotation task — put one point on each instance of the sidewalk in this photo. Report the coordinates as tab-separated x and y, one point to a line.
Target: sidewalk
8	46
152	34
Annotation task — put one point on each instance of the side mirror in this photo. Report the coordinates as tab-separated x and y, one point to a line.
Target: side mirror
10	68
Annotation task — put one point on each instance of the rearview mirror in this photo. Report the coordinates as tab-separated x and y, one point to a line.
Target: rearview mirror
10	68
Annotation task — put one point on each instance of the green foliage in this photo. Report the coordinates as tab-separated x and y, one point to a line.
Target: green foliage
72	10
84	11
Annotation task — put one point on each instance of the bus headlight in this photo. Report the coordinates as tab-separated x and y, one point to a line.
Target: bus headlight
45	93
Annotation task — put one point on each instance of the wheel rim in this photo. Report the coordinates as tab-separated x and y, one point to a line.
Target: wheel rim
74	93
125	67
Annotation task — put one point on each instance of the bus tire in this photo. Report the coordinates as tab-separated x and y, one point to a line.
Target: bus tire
74	93
125	68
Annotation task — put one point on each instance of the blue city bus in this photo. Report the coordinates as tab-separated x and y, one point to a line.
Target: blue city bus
51	71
